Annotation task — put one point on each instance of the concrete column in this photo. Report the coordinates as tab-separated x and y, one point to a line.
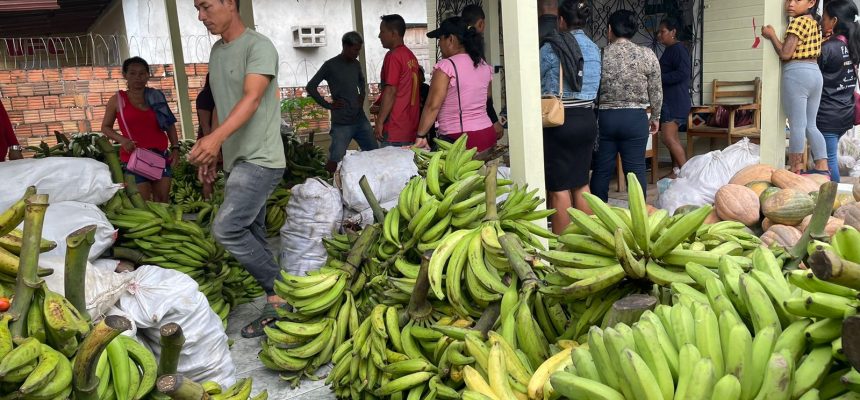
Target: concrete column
432	44
492	33
246	10
522	81
772	115
180	77
358	24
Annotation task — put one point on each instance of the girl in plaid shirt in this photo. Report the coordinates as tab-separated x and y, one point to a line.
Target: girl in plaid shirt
801	84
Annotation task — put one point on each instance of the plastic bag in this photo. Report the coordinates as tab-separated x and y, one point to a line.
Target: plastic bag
156	297
103	286
315	211
702	175
61	219
61	178
387	169
848	153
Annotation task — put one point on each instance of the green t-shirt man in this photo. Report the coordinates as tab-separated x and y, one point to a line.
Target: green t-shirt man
259	140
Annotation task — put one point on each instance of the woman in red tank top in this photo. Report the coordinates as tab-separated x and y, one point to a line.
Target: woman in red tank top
139	127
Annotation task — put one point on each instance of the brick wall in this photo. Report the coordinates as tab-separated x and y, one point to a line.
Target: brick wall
73	99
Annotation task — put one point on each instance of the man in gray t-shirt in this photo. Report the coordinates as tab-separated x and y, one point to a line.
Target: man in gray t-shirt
348	90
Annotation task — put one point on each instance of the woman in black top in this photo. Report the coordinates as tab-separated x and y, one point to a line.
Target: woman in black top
840	55
675	74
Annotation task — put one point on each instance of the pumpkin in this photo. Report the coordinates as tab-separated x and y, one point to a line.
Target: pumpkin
786	179
785	236
752	173
737	203
787	207
833	225
843	199
850	213
766	224
759	186
818	178
767	193
712	218
856	191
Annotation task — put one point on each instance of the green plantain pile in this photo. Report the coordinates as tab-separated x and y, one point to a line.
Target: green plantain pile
304	160
161	236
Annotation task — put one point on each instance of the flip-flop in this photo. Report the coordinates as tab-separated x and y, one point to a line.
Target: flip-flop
268	316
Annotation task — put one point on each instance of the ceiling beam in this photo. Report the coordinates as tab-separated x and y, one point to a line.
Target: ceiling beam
28	5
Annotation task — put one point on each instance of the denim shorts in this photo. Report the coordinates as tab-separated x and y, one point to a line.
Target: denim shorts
682	122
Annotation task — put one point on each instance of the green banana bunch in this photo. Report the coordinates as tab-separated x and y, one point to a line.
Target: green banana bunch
276	214
304	160
241	390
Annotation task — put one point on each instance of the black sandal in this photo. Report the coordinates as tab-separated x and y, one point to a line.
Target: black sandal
267	317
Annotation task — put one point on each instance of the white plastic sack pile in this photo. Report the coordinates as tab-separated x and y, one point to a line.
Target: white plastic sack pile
61	178
315	211
156	297
387	170
61	219
848	153
103	285
703	175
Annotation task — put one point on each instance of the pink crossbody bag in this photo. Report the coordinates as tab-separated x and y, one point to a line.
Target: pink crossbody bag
143	162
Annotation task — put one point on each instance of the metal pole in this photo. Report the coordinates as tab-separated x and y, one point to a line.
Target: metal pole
180	77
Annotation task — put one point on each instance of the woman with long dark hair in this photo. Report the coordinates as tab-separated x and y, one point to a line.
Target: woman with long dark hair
629	84
840	55
459	88
675	70
568	148
144	121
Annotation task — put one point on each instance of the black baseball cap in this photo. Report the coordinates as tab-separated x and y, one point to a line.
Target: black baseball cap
450	26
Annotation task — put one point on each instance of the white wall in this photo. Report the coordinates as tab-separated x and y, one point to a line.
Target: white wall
109	31
146	26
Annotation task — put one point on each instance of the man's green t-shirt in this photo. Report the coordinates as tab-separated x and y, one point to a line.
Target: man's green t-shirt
259	140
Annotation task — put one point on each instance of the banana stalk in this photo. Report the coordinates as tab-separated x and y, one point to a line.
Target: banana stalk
359	250
78	244
851	340
488	318
490	188
28	278
517	257
84	377
172	340
828	266
815	230
133	193
629	309
419	307
178	387
111	159
125	253
378	214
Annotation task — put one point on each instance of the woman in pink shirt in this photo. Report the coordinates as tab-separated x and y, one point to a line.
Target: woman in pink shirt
459	88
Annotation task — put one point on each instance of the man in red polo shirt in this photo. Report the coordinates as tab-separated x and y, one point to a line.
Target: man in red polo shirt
399	102
8	141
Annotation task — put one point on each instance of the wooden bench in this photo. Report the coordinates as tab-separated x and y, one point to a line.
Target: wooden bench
734	96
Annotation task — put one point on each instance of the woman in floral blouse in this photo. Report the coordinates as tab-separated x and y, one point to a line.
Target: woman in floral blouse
630	83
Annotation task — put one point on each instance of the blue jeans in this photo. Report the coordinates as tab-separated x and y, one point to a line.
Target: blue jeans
832	141
342	135
625	132
240	225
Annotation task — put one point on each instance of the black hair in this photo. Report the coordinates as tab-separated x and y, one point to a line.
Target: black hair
623	23
575	13
674	24
134	60
472	41
472	14
395	22
351	39
845	12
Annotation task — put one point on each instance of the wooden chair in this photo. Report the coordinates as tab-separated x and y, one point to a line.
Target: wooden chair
734	96
651	151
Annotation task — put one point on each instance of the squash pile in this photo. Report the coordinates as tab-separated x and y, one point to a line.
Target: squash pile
778	204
